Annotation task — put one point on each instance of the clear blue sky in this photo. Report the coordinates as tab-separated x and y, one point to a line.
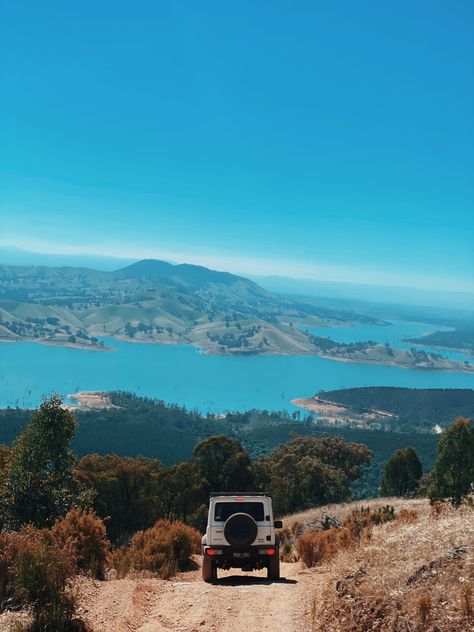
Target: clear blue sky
332	140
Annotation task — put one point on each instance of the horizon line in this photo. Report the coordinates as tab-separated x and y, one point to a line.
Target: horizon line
292	271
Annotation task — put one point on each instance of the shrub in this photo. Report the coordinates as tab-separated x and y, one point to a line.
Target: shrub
408	516
88	535
9	546
120	561
164	549
286	540
35	574
439	509
316	547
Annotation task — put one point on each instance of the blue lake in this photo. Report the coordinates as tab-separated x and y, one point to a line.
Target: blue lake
181	374
394	334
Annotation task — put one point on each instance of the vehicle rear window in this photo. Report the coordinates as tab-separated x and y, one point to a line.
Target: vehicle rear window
225	510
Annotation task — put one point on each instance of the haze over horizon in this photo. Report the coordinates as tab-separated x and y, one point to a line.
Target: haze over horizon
323	143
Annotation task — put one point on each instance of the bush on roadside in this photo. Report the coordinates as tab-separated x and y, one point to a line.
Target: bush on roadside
35	574
165	549
89	539
9	547
317	547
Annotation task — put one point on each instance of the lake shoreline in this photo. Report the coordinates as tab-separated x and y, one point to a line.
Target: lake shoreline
90	400
335	414
59	343
453	366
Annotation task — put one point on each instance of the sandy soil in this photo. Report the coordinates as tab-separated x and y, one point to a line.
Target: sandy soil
235	602
334	413
90	399
316	405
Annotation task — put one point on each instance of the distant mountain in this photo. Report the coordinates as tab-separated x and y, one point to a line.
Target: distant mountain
364	292
12	256
186	275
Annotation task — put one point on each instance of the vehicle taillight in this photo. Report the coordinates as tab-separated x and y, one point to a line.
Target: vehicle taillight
267	551
213	552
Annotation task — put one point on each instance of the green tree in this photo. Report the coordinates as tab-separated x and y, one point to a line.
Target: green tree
38	485
453	473
126	490
182	491
309	471
224	464
401	474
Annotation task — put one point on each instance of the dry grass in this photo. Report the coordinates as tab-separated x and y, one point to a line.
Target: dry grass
413	574
318	546
420	505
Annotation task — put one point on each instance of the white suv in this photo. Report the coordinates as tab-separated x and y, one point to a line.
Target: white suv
240	533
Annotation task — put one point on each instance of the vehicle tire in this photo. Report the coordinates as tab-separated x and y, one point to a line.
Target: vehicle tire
274	566
240	530
209	571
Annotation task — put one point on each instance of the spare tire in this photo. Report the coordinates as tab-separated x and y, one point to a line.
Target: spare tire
240	529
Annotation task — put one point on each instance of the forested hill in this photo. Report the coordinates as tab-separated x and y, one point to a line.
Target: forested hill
414	407
154	429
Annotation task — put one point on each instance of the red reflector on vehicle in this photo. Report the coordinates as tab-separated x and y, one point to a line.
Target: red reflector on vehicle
267	551
213	552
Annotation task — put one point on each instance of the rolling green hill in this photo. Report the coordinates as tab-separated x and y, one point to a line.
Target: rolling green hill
155	301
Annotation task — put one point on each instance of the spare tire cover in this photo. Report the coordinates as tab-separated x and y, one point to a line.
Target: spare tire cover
240	529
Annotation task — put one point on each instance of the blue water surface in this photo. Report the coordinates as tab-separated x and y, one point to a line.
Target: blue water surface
394	334
181	374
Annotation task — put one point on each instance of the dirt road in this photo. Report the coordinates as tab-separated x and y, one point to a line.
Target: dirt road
236	602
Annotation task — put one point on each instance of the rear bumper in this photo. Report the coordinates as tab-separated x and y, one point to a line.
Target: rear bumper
236	554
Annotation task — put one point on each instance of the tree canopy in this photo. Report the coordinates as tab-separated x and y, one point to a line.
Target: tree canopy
453	474
38	485
402	473
309	471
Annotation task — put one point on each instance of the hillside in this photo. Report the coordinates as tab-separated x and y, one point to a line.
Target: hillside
411	574
416	570
155	301
392	408
461	339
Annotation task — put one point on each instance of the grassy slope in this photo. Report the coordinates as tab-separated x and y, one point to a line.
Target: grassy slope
155	301
410	575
